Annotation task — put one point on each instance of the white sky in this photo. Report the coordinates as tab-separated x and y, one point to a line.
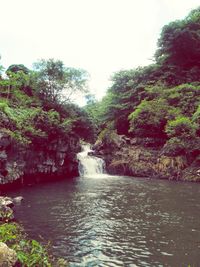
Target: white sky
101	36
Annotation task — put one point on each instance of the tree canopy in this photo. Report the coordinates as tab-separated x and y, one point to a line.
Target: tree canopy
160	100
56	83
35	104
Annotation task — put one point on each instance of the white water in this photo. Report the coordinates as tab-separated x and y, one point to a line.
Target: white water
90	166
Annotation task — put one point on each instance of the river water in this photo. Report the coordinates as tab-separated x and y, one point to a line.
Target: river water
115	220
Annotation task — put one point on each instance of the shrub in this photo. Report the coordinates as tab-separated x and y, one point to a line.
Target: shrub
150	117
196	119
175	147
181	127
185	96
29	252
3	104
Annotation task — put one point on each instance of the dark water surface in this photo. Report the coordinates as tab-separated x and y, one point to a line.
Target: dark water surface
116	221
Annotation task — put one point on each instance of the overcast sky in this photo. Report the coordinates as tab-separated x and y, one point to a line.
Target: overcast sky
101	36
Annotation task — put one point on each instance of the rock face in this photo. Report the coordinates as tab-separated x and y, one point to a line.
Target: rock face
8	257
41	161
145	158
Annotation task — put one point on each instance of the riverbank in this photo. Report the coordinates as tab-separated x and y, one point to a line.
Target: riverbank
145	157
16	248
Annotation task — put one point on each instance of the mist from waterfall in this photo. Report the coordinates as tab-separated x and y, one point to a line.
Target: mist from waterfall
89	165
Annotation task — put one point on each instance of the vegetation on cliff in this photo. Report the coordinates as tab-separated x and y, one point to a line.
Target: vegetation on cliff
160	101
38	117
157	105
35	104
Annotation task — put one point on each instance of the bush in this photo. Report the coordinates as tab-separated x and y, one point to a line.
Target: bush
150	117
175	147
3	104
196	119
181	127
29	252
185	96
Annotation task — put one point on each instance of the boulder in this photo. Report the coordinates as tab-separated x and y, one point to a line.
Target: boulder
6	201
18	200
8	257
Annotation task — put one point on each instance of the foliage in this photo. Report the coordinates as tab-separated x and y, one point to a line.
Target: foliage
29	252
150	117
35	104
21	122
196	119
179	42
55	83
17	68
181	127
159	101
95	111
182	138
186	97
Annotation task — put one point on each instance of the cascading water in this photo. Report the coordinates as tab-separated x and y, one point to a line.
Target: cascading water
90	166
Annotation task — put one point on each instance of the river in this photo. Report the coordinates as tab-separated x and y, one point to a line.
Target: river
115	220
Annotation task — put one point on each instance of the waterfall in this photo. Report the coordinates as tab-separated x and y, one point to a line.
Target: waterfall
89	165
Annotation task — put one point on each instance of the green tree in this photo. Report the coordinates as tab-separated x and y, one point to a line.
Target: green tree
186	97
179	42
16	68
15	82
150	118
55	83
182	138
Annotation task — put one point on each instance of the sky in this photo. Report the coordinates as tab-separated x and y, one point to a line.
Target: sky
100	36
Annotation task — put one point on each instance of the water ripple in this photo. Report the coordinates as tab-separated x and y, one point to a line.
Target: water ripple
116	221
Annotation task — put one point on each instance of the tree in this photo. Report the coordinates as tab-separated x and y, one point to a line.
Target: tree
15	81
186	97
150	118
56	84
179	42
125	93
90	99
16	68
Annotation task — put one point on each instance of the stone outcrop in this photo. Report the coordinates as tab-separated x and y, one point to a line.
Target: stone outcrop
25	164
8	257
145	157
18	200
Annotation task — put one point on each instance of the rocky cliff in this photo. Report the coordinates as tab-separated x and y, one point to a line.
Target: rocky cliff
145	157
45	160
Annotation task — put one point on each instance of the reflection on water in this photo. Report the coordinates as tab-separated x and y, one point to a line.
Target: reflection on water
116	221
